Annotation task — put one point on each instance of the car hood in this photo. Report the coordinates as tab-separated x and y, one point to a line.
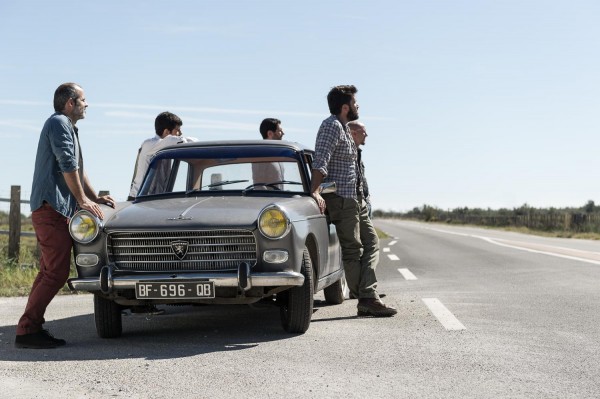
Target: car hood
205	212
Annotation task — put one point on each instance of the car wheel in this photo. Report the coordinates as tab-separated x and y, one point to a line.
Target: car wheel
336	292
297	312
107	315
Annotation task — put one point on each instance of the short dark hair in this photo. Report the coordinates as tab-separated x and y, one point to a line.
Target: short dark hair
64	93
166	120
268	124
338	96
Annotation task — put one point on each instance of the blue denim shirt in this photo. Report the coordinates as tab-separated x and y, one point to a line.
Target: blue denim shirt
57	152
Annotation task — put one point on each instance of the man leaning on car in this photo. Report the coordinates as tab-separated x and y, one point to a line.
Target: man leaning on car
347	208
59	186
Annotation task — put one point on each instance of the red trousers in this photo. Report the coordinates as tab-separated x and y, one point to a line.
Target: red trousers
52	232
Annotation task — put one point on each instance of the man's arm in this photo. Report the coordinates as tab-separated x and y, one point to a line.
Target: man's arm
327	139
315	190
72	180
91	193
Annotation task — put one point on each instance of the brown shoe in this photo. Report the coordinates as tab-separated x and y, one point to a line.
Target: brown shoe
352	296
374	307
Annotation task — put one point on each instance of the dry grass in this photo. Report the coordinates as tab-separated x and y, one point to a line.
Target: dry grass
381	233
16	278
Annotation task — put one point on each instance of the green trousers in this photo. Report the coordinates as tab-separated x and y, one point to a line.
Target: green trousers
359	242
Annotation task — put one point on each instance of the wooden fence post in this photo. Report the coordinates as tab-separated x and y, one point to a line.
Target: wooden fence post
14	223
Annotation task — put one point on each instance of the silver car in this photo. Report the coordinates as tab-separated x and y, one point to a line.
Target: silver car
228	222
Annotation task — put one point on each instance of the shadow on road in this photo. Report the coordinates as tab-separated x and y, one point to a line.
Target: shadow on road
182	331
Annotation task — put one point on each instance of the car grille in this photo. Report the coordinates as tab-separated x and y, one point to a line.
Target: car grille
206	250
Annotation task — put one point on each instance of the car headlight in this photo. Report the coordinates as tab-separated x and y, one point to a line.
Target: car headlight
273	222
84	227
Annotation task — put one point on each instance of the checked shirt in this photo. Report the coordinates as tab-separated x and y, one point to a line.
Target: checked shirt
336	157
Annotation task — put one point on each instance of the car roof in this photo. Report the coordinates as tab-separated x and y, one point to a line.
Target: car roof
245	143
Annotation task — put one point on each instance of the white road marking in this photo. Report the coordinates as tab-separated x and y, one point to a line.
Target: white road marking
386	249
392	242
493	241
443	315
393	257
407	274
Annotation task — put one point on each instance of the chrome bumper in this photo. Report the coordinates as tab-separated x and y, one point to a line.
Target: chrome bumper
279	279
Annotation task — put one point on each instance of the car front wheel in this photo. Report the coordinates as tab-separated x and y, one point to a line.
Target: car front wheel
297	311
107	315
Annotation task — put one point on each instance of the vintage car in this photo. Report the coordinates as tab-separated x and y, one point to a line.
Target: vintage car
228	222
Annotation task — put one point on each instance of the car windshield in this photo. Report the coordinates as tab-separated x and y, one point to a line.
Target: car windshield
222	170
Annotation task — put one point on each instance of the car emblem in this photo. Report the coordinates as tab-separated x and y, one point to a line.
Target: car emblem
180	248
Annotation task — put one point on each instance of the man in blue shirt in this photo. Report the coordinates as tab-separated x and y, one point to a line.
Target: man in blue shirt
336	160
60	185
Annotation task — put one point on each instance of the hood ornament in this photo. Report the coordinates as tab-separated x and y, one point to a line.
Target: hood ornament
180	217
180	248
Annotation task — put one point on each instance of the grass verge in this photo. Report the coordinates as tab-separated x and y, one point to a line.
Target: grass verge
16	278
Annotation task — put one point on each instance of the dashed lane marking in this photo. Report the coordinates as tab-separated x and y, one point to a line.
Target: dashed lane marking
392	242
393	257
444	316
386	249
407	274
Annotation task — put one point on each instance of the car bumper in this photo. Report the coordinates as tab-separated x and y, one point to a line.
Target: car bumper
122	282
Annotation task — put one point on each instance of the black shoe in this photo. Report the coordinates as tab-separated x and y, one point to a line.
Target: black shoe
39	340
374	307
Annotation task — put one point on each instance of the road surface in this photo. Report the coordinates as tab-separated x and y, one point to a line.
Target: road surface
482	314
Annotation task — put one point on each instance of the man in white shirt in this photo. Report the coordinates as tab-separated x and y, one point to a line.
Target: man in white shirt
269	172
168	132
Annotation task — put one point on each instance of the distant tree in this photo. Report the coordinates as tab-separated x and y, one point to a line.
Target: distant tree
590	207
429	213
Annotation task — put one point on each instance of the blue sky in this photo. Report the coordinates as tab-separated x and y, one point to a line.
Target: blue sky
467	103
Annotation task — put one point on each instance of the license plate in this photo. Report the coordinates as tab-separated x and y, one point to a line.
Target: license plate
175	290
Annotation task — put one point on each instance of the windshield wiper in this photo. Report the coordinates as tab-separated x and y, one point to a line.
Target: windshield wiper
272	184
217	184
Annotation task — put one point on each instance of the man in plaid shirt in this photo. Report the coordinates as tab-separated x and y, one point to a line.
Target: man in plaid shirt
336	160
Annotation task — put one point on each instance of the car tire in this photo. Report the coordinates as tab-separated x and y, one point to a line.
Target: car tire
107	315
336	292
297	312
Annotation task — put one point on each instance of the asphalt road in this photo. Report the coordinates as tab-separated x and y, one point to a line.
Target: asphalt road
482	314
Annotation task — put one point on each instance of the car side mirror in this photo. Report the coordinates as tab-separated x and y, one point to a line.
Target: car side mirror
328	188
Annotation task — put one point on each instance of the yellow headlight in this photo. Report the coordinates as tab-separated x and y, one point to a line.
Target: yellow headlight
273	223
84	227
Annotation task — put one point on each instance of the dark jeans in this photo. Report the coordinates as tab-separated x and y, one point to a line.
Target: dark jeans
359	242
52	232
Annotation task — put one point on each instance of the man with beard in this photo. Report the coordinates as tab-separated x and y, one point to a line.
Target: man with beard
336	160
269	172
